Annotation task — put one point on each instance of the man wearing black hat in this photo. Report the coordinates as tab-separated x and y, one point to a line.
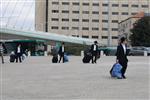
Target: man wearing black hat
94	51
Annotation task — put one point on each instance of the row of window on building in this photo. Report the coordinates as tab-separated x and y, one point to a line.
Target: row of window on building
94	12
104	4
96	37
83	20
83	28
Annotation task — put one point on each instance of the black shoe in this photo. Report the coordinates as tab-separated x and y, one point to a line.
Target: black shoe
119	77
123	77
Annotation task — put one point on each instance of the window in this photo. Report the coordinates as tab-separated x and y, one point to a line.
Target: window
95	4
144	6
55	11
76	3
134	13
65	11
115	5
135	6
95	12
125	5
85	20
114	37
114	29
115	13
95	28
54	27
55	3
65	19
105	5
124	13
104	13
95	37
85	4
104	37
65	3
65	28
85	36
85	12
105	29
75	20
55	19
85	28
114	21
75	35
75	28
76	12
95	20
105	21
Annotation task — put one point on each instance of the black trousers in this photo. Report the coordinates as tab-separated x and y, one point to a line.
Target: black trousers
124	67
61	57
2	57
18	56
94	56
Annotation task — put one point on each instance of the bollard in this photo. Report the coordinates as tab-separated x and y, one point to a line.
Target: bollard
45	53
82	53
102	53
145	53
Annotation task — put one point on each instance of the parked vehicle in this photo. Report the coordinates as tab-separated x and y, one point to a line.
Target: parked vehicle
139	51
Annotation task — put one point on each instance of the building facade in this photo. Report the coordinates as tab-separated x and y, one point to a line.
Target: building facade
126	25
94	19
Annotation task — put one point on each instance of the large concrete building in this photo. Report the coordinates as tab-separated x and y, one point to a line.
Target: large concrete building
96	19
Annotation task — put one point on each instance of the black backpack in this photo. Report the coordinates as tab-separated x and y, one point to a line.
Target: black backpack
55	59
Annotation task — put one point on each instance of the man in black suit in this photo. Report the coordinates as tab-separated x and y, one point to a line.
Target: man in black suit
2	51
94	51
61	52
18	53
122	55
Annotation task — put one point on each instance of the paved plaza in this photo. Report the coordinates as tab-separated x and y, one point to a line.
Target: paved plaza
39	79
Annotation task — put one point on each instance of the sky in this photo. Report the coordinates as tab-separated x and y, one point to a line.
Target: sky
19	14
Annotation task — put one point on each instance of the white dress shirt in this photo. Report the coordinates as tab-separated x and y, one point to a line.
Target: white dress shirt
63	49
94	48
18	50
124	48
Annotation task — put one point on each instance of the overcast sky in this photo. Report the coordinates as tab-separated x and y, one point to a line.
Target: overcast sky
17	13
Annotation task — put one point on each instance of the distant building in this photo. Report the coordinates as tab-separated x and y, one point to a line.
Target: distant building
126	25
94	19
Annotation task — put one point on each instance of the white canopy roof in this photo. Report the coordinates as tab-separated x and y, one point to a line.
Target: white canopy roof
46	36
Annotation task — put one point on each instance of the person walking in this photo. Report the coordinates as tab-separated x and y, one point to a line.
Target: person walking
18	53
61	52
2	51
94	51
121	55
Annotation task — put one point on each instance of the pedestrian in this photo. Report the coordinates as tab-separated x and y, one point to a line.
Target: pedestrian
18	53
2	51
94	51
121	55
61	52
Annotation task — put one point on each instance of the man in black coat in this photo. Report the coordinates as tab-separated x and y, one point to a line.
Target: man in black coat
2	51
18	53
121	55
94	51
61	52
